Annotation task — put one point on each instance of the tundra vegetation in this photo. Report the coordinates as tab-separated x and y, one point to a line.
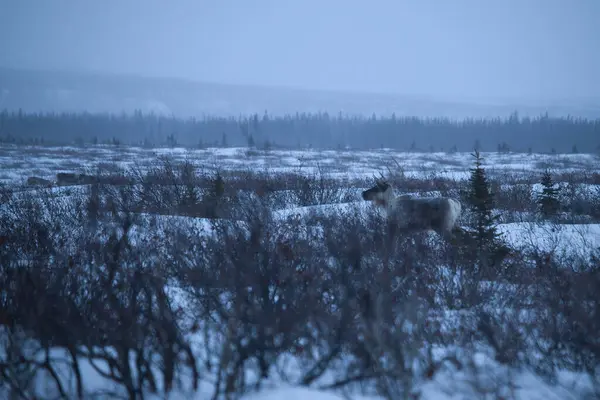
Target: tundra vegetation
139	281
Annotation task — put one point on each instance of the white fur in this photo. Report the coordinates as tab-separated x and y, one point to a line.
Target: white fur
455	212
400	208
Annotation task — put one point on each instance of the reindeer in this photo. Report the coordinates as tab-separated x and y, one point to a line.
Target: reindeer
439	214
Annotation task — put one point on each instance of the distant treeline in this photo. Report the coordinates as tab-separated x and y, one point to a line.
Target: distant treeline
319	130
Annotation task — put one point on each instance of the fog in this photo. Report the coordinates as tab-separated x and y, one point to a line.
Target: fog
460	49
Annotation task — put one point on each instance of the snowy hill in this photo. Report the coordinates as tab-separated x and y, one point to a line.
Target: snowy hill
96	92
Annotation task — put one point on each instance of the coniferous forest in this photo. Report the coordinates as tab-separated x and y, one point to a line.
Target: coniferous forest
318	130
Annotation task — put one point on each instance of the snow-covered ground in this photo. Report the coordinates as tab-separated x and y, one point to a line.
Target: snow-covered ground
569	239
484	379
18	163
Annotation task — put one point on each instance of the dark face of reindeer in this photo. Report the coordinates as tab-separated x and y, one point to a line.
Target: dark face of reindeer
376	192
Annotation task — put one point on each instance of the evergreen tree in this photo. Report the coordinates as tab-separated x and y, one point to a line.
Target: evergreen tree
485	237
548	200
171	140
213	196
503	147
219	186
480	201
224	140
189	180
93	206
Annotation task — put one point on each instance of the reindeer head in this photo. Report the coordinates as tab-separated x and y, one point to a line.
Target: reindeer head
380	193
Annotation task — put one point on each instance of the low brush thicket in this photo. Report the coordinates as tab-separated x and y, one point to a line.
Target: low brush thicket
116	281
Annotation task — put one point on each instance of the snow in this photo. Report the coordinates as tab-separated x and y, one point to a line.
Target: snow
522	385
448	383
45	161
301	393
326	209
575	240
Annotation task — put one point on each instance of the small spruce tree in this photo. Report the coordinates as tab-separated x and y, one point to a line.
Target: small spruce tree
548	200
93	205
224	140
503	147
189	181
219	185
212	198
171	140
480	201
485	236
250	141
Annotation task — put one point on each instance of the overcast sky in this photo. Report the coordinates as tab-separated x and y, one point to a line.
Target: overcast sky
450	48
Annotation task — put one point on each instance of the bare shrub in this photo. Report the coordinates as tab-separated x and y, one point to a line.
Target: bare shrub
318	188
578	201
175	188
515	197
37	181
259	282
91	294
345	298
274	189
568	314
595	209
